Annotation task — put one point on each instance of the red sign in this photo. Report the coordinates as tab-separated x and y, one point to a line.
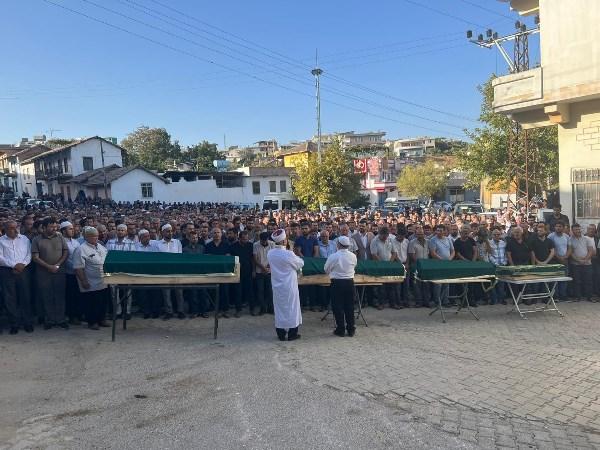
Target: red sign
360	166
374	167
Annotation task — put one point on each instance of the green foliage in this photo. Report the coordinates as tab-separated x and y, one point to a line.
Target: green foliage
487	157
449	147
202	155
424	180
151	148
59	142
330	183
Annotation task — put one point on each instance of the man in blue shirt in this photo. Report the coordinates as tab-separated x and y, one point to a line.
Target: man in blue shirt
307	246
327	248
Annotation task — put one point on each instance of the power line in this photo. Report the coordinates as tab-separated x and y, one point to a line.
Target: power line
184	52
443	13
483	8
291	60
293	76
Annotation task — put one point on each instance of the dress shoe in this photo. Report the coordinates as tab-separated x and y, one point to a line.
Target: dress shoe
225	315
13	330
204	315
351	332
155	315
237	315
105	324
293	338
127	316
64	325
147	316
93	326
75	322
167	316
47	326
180	316
28	328
339	333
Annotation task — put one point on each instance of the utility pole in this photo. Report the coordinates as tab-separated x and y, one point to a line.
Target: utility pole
104	171
317	72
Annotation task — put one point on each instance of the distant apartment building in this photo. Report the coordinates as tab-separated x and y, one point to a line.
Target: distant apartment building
351	139
412	147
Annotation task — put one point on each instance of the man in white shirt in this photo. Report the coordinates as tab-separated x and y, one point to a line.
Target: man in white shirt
149	299
73	298
581	250
340	268
400	246
170	245
15	257
263	274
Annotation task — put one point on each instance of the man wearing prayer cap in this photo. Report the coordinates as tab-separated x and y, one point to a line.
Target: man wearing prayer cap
340	268
284	266
73	306
122	243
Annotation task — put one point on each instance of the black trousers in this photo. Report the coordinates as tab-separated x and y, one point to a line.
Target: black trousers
263	298
17	296
51	289
342	301
94	304
73	298
243	290
149	300
582	281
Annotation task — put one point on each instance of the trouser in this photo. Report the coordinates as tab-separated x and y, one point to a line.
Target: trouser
51	289
169	304
149	300
323	296
400	293
582	281
72	298
243	290
498	293
385	292
17	296
224	297
263	298
342	301
308	295
197	300
94	304
596	271
422	293
125	294
440	293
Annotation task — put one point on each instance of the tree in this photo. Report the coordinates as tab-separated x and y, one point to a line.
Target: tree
202	155
487	158
424	180
151	148
330	183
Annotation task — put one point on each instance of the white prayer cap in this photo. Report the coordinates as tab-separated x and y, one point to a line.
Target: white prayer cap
89	231
143	232
65	224
344	241
121	226
166	226
278	236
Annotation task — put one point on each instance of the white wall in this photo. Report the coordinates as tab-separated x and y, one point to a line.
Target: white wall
128	189
91	148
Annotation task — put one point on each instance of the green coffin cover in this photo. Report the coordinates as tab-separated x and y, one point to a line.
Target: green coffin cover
439	269
315	266
531	270
153	263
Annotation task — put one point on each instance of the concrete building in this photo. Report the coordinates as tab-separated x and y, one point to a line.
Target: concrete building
563	91
249	185
49	171
15	172
413	147
351	139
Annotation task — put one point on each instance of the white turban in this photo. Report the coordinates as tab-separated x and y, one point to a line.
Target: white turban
344	241
278	236
166	226
65	224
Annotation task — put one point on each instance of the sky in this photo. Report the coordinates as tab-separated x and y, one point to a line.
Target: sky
240	71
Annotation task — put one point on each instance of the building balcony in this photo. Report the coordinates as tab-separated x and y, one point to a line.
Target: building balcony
518	91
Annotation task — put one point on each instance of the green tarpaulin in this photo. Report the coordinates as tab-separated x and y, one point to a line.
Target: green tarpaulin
314	266
438	269
152	263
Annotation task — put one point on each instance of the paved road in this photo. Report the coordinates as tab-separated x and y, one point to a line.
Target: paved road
406	381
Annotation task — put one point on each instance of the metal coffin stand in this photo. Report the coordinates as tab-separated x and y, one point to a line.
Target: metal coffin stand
518	285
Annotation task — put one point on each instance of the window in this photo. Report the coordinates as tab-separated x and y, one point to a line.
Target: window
146	190
88	163
256	187
587	200
66	165
272	186
456	195
282	186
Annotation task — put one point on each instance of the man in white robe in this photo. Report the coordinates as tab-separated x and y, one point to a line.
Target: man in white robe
284	266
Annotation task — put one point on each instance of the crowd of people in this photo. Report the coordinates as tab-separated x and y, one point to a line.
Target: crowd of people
51	261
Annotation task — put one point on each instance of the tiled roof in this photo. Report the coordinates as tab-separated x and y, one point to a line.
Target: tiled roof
113	172
65	147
